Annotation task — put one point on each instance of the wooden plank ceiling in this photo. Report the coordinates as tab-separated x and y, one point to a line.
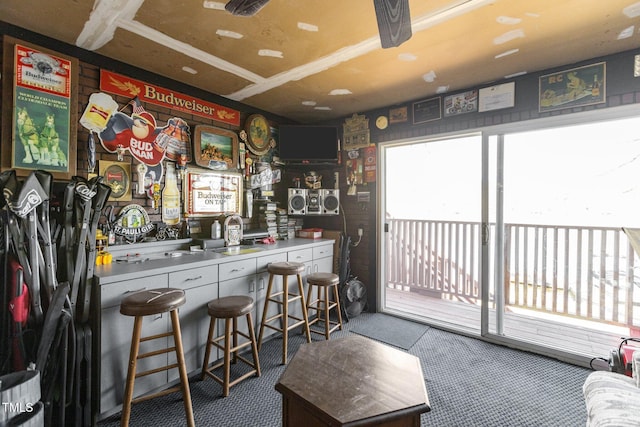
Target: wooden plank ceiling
314	60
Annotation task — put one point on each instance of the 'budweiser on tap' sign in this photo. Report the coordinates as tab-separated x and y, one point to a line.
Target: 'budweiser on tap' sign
126	86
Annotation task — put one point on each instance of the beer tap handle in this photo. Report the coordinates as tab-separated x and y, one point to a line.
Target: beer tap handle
142	171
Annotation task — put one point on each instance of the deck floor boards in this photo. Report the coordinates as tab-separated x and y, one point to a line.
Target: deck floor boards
582	338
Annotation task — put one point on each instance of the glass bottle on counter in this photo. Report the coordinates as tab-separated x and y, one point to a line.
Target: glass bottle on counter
216	230
171	197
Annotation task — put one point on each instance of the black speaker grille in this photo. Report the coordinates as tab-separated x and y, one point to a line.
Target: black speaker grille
297	203
331	203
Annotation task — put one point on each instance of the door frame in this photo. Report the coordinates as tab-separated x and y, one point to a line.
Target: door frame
499	131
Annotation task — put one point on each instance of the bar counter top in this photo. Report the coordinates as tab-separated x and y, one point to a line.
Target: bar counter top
139	260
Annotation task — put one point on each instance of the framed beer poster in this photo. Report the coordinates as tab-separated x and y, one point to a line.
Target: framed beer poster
573	88
42	120
208	193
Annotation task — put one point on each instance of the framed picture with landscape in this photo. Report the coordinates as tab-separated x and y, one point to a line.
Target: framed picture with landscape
215	148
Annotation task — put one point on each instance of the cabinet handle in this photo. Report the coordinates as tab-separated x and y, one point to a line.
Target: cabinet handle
193	278
315	268
235	270
252	286
135	290
261	284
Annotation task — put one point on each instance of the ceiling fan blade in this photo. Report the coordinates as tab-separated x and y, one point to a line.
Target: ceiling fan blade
394	22
245	7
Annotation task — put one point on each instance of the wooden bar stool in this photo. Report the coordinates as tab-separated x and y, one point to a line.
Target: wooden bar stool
146	303
323	304
229	309
284	269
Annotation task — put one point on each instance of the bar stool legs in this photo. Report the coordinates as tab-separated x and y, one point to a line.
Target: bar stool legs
323	304
284	269
182	367
229	309
131	372
145	303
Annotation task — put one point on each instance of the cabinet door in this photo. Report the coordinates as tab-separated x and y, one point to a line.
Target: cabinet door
201	286
323	265
194	326
240	286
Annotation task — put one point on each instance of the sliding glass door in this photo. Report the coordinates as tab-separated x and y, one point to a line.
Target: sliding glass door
559	199
430	249
517	234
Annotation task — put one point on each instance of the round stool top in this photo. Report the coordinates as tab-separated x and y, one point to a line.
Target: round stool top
286	268
152	301
323	279
232	306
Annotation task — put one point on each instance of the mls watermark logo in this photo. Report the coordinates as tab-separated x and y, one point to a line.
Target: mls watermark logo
18	407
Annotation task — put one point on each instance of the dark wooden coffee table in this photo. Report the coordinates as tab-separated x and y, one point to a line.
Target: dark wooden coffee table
352	381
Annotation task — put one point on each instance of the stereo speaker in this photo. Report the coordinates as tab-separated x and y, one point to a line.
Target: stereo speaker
297	201
330	201
314	202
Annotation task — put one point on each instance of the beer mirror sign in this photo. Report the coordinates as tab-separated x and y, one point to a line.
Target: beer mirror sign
208	193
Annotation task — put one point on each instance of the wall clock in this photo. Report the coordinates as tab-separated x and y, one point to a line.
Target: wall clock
382	122
258	134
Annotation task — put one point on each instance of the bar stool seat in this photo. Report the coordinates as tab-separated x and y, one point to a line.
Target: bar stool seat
283	299
324	282
146	303
230	309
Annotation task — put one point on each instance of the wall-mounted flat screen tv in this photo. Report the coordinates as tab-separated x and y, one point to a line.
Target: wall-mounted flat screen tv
308	143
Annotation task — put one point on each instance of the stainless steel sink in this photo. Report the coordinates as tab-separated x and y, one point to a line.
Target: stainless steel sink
138	258
238	250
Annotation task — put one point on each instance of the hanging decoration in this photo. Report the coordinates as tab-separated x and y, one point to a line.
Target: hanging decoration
137	133
258	134
140	135
177	138
356	132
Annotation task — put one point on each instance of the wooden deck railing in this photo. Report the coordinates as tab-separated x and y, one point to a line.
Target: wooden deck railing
583	272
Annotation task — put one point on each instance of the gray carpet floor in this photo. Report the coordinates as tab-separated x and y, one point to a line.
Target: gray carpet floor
469	383
390	330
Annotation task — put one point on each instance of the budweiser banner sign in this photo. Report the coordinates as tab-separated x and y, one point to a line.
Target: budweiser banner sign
126	86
